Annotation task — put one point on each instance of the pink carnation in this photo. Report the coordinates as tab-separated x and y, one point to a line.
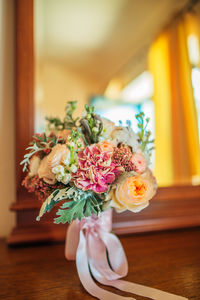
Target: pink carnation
96	170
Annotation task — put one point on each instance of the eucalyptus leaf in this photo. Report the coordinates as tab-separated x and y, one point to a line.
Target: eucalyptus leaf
74	211
53	199
84	204
144	135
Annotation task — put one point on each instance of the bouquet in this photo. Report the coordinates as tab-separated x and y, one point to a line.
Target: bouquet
87	166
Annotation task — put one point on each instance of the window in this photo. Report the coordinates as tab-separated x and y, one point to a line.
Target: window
131	100
196	91
194	57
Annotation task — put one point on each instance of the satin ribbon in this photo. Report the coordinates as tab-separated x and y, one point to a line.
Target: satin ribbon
91	244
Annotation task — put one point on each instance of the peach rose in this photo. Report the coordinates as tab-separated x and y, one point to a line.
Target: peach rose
63	134
139	162
106	146
134	192
34	165
50	161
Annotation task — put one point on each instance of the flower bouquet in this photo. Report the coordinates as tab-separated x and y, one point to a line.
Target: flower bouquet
87	166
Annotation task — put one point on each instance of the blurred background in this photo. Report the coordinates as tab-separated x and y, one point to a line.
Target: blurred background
123	57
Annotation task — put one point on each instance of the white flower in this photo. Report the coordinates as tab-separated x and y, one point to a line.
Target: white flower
61	174
108	127
84	114
127	136
95	129
55	170
59	170
66	178
66	159
73	168
59	177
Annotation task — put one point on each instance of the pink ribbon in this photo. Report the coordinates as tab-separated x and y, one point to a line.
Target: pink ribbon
91	244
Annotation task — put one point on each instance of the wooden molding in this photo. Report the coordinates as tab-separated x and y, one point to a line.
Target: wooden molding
174	207
171	208
24	78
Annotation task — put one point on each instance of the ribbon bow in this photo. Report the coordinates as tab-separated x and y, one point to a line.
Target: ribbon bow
100	252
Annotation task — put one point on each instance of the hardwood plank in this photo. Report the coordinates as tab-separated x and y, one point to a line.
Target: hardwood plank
169	261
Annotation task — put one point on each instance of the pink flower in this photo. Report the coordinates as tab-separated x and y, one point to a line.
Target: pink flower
139	163
95	169
106	146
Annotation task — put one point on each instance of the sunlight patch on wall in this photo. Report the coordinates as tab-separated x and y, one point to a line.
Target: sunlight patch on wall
139	89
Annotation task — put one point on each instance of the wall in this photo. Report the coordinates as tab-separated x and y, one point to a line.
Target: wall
7	148
55	84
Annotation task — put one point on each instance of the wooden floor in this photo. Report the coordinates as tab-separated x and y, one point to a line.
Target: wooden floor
167	260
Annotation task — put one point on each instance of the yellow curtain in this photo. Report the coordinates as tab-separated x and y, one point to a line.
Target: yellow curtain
159	67
177	158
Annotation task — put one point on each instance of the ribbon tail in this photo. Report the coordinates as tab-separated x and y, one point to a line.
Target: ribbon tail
145	291
120	266
116	254
97	256
85	276
94	248
137	289
72	240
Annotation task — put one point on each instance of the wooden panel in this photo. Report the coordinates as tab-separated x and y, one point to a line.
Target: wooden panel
176	207
24	78
24	81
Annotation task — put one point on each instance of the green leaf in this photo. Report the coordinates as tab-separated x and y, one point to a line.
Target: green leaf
90	209
34	149
53	199
40	143
74	211
144	135
68	122
84	204
91	125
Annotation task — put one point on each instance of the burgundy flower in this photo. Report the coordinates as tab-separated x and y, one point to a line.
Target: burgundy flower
123	156
39	187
